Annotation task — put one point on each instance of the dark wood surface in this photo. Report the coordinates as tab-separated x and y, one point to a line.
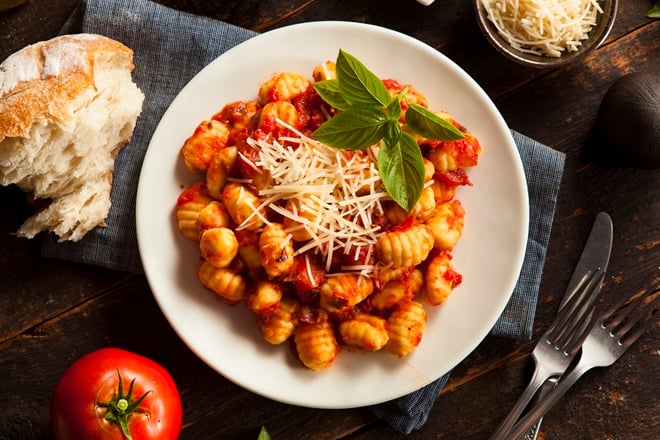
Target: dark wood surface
52	312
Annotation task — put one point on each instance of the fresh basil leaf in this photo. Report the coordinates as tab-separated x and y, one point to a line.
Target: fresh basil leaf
393	109
401	169
329	91
392	132
426	123
359	85
654	12
353	129
263	434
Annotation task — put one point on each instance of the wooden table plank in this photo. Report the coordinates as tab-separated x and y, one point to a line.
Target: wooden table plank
52	312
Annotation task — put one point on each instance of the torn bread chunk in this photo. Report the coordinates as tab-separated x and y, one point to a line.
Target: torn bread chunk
67	107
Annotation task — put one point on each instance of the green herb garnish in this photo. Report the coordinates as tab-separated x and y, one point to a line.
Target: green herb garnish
368	115
654	12
263	434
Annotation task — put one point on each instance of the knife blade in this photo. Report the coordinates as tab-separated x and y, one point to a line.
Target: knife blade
595	255
596	252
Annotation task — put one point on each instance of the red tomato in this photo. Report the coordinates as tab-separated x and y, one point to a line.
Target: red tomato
113	394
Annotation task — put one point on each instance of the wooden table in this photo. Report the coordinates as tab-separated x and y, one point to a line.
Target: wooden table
52	312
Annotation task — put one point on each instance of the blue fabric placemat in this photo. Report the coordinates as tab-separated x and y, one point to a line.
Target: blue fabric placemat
164	65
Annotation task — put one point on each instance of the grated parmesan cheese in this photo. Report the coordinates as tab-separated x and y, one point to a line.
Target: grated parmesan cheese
543	27
345	187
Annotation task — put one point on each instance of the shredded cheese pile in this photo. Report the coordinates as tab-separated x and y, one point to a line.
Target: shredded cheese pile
543	27
345	188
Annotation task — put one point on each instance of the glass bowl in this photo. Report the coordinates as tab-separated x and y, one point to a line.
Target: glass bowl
597	35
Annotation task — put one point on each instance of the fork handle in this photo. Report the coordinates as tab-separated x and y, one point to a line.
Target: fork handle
549	384
538	378
540	409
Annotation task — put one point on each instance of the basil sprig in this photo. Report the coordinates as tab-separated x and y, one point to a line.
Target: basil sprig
654	12
368	115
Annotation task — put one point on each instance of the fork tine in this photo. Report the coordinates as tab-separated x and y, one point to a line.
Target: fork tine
571	326
647	312
620	310
571	305
580	331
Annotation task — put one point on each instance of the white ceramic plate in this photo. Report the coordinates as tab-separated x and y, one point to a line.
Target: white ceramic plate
489	254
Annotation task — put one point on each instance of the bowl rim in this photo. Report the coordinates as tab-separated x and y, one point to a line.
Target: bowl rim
598	34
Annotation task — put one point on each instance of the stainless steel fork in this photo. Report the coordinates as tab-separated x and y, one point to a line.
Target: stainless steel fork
611	335
558	345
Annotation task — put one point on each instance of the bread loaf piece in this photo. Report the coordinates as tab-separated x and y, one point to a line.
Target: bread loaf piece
67	106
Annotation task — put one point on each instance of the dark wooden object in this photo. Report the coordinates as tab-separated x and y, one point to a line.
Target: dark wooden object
53	312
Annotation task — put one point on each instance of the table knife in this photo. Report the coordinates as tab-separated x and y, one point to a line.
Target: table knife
596	254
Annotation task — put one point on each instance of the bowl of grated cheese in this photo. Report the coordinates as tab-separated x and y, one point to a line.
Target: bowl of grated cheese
545	33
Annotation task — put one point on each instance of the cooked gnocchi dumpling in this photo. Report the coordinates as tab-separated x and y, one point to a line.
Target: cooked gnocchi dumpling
218	246
279	324
364	331
225	282
316	342
405	247
198	150
189	206
405	328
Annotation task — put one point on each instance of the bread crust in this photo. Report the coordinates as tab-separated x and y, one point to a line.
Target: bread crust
42	79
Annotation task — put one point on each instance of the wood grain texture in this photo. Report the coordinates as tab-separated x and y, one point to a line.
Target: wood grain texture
52	312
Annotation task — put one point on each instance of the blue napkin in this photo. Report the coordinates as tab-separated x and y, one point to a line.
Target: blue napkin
164	66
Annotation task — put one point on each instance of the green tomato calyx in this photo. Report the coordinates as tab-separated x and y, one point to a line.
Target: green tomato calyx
122	406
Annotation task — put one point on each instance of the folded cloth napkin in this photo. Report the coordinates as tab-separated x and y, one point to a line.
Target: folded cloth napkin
164	65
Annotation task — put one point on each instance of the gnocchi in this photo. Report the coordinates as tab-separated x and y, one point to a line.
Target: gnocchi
276	250
218	246
189	206
226	283
209	138
364	331
405	247
316	342
278	325
405	328
305	235
218	170
343	292
440	279
213	215
267	296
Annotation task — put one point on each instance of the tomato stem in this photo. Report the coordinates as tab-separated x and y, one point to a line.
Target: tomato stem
122	404
121	407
